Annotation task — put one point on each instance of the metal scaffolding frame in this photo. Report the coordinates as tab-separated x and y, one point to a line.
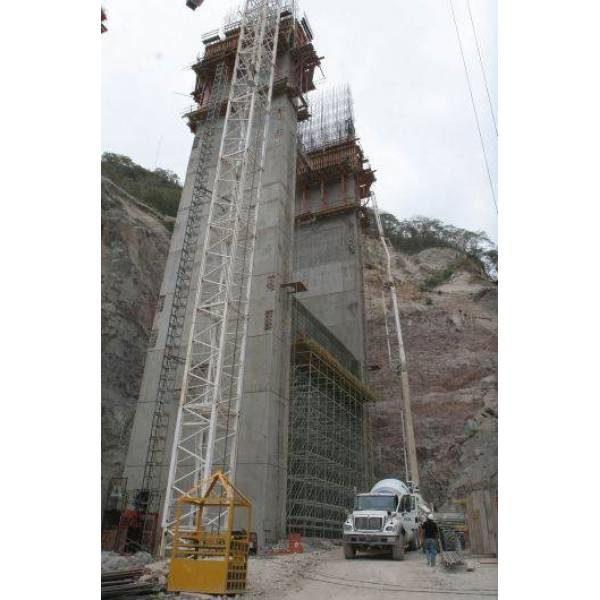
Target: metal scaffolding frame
329	439
206	428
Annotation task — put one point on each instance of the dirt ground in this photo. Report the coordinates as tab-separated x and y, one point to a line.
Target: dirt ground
322	573
327	575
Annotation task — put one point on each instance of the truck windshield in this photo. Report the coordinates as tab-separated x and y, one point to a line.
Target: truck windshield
375	503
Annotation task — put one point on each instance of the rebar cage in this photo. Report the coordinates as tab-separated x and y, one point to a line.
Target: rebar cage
332	120
329	444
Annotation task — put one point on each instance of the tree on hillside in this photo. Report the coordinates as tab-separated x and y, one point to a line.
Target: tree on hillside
160	188
419	233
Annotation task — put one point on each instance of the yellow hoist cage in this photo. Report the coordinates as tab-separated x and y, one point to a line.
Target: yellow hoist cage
208	555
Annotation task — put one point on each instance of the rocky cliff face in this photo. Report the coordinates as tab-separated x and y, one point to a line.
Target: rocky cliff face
135	243
449	318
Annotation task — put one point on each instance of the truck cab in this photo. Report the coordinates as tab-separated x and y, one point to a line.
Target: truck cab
386	518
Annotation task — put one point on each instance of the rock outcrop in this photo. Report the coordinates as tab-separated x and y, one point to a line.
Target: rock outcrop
449	317
135	242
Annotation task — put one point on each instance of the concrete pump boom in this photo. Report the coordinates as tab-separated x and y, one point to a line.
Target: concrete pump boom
409	432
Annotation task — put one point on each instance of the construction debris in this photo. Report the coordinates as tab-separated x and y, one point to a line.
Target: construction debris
112	562
156	573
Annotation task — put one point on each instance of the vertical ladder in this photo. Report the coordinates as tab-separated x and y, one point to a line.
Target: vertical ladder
207	421
173	356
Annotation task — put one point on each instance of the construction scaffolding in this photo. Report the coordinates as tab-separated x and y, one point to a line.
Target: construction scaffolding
329	440
295	35
333	174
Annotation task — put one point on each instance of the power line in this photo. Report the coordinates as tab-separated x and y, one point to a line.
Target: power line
487	89
487	166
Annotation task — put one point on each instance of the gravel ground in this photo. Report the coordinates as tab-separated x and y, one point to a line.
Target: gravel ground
268	577
322	573
332	577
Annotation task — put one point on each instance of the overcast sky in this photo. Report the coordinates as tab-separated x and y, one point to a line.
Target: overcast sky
401	58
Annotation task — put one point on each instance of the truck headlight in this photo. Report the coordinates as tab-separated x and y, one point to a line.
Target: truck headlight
347	526
391	526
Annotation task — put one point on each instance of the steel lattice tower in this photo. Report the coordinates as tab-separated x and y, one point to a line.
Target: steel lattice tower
173	356
207	420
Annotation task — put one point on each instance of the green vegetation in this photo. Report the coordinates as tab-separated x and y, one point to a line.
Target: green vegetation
419	233
160	189
438	278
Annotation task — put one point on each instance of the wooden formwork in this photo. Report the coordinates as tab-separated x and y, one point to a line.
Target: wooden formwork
482	521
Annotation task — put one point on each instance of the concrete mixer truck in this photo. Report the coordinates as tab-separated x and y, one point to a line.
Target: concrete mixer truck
386	518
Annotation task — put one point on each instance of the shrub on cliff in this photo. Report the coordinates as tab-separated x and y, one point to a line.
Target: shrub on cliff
419	233
160	188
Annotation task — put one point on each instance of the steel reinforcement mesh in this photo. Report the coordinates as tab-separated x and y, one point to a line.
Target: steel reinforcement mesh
329	443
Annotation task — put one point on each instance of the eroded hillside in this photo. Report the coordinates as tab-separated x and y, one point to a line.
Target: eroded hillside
449	317
135	242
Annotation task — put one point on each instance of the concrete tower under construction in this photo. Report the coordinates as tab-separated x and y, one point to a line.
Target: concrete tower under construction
301	432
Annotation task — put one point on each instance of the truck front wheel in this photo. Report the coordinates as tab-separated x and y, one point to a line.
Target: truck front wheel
415	544
349	551
398	548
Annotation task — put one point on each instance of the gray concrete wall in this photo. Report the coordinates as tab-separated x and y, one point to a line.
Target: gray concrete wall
327	259
262	437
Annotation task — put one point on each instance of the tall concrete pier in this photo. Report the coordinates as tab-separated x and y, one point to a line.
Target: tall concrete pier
261	450
334	181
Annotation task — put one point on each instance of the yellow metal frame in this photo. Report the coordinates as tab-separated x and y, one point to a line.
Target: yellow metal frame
207	561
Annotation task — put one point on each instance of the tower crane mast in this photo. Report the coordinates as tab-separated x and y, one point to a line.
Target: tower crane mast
209	407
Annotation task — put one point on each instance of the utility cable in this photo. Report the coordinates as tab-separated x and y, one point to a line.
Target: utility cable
487	166
387	587
316	573
487	89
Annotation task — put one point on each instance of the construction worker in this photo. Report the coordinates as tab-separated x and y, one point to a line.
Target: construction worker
429	537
